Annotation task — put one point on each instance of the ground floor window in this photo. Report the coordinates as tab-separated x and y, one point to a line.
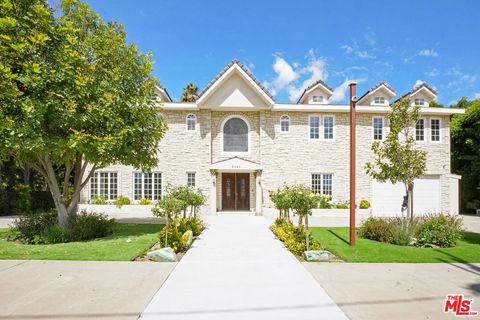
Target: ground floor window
104	184
191	179
322	183
147	185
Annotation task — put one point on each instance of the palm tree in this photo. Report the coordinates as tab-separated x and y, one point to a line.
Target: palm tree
190	93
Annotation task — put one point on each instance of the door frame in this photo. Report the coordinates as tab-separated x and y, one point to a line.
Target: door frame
235	191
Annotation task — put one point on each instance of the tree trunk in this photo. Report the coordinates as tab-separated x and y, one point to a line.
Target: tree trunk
410	202
300	220
306	221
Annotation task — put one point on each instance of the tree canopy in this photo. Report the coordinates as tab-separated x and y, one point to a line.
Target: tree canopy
190	93
73	94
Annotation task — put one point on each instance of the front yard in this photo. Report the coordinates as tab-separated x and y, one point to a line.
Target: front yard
127	242
335	239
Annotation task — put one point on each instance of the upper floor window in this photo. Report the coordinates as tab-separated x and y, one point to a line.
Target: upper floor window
317	99
147	185
377	128
379	100
235	135
328	127
104	184
191	179
191	122
322	183
420	130
314	127
285	123
435	129
419	102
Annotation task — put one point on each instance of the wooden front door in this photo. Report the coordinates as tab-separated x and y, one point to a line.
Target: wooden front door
235	191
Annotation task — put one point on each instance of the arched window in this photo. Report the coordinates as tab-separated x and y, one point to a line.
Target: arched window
191	122
235	135
285	123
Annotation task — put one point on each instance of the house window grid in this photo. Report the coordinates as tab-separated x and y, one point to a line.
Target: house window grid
191	120
317	98
322	183
328	127
104	184
419	102
191	179
147	185
420	130
377	128
314	125
284	124
222	140
379	100
435	130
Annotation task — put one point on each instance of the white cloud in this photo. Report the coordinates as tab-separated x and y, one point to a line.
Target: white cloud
418	83
432	73
354	49
428	53
340	92
285	75
476	95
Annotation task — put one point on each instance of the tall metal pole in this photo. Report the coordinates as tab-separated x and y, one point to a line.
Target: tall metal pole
353	102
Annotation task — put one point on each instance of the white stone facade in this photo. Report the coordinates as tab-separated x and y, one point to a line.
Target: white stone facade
279	157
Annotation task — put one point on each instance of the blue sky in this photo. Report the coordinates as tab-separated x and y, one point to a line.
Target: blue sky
289	44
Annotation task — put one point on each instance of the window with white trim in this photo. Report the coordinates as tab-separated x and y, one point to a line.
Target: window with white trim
317	98
322	183
104	184
191	179
379	100
147	185
285	123
191	122
377	128
314	122
419	102
235	135
435	129
420	130
328	125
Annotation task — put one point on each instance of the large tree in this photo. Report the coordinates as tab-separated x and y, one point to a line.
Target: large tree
397	159
465	131
73	95
190	93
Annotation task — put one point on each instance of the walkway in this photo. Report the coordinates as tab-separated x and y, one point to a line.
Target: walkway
238	270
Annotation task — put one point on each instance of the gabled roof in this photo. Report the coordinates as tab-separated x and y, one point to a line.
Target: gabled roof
162	91
422	86
237	164
376	87
313	86
235	63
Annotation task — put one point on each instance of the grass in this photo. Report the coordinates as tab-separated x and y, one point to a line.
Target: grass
112	248
335	239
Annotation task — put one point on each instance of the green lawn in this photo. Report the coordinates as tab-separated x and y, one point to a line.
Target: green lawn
335	239
114	247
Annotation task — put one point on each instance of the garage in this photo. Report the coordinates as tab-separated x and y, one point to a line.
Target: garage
387	198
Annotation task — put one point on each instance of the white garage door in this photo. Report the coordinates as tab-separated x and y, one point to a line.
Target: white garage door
387	198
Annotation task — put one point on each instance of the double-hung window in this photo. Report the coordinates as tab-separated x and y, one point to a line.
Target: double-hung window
104	184
147	185
377	128
322	183
314	127
191	179
420	130
191	122
435	129
285	123
328	127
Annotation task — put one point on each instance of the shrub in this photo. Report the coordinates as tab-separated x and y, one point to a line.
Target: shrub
87	226
121	200
23	199
98	199
144	202
364	204
168	207
439	230
325	202
194	224
171	234
54	234
32	225
342	205
191	198
293	237
379	229
400	236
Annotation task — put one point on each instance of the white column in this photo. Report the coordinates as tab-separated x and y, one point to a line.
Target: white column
258	193
213	192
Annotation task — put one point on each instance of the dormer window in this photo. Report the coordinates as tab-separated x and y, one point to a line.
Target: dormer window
317	98
420	102
379	100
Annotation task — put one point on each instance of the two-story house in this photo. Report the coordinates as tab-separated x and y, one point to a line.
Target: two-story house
236	143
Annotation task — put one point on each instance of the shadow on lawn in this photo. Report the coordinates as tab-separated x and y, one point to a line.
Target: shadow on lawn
338	236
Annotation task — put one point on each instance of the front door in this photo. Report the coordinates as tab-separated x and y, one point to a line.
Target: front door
235	191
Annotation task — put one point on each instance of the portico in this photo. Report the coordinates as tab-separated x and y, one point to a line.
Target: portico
236	186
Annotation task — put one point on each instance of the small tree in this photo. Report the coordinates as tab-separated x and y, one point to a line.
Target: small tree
192	198
282	201
190	93
168	207
303	200
396	158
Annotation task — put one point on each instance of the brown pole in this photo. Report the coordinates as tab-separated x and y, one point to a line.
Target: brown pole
353	102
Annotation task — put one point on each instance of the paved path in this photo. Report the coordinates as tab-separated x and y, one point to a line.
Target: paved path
238	270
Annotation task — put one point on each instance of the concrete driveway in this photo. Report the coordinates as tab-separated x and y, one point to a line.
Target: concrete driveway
78	289
396	290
